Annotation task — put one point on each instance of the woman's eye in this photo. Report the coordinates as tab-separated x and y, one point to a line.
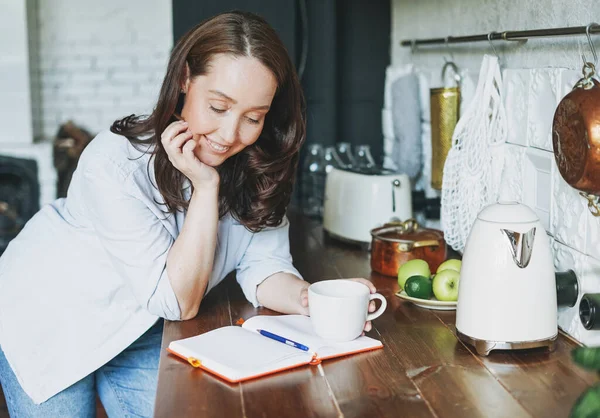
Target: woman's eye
217	110
253	121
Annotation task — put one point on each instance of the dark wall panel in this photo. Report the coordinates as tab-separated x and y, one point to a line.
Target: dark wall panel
361	124
365	28
281	14
320	78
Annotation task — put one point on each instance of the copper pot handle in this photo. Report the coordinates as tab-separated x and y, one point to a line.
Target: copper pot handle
409	246
409	225
593	201
426	243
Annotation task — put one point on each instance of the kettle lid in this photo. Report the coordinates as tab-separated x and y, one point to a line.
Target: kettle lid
508	212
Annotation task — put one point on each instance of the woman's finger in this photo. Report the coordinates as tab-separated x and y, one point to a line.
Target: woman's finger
178	142
367	283
304	297
368	326
372	306
172	130
188	148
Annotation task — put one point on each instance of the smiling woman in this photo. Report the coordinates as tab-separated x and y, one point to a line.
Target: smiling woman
232	81
160	210
223	124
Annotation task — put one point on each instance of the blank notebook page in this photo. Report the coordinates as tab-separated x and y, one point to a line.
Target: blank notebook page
299	328
236	353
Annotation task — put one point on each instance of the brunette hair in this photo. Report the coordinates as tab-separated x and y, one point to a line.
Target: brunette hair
256	184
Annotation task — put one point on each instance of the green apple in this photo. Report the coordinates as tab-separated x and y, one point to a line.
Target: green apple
416	267
450	264
445	285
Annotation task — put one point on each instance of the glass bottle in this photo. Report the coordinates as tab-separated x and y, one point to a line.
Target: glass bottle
363	157
344	151
332	160
313	181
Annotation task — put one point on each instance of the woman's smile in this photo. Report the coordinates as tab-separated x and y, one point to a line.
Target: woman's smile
217	148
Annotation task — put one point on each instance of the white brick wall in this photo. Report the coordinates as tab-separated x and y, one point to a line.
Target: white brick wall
15	98
100	60
91	62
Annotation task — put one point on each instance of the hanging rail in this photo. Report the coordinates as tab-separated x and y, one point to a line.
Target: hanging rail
519	35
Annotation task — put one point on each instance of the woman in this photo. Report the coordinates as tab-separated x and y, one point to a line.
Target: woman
159	211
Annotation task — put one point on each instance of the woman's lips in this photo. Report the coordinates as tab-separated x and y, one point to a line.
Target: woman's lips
218	148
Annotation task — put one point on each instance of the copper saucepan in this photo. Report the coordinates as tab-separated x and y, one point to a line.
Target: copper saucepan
396	243
576	137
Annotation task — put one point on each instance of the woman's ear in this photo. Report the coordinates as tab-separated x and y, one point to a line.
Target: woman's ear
186	79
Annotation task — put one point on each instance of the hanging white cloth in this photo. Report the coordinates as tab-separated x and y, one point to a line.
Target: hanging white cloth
473	168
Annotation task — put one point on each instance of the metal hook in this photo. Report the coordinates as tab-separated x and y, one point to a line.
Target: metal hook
492	44
589	38
457	77
449	49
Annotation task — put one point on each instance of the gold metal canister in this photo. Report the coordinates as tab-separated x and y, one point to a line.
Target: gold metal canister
445	106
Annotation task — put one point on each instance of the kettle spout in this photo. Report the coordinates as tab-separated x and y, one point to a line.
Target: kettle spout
521	246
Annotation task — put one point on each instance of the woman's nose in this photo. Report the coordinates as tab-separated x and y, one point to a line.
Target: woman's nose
229	130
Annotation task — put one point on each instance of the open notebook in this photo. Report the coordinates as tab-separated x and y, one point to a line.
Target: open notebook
237	353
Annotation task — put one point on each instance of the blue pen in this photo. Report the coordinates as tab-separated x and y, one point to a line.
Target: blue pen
282	339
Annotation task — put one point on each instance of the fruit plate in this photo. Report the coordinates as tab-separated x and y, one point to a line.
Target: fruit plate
429	304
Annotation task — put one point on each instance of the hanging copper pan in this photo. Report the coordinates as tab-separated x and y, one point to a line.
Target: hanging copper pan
576	137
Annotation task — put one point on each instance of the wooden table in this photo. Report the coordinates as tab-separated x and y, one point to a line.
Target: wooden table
423	370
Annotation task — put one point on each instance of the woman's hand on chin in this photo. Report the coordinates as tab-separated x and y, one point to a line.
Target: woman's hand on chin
180	146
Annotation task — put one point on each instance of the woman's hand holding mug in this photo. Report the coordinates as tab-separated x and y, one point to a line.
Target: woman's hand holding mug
341	309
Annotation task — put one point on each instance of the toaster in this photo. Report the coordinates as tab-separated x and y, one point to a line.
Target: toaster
358	201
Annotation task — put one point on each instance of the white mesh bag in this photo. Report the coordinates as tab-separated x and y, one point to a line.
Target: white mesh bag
473	168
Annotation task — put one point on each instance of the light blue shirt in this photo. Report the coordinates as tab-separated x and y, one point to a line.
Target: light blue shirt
87	275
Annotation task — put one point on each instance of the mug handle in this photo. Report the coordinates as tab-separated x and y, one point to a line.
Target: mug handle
379	311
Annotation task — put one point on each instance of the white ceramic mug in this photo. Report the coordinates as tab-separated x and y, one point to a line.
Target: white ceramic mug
339	308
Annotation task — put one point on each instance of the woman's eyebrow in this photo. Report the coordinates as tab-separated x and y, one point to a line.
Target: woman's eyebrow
223	95
226	97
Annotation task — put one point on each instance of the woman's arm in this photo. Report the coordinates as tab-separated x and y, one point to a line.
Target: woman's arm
190	260
284	292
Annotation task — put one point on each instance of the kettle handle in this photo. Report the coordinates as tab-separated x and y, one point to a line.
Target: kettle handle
520	245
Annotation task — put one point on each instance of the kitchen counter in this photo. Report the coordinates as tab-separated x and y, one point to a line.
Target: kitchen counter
423	370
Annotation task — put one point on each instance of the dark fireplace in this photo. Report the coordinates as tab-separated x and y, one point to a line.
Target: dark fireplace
19	196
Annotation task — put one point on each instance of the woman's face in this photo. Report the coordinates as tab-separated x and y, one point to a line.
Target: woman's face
226	108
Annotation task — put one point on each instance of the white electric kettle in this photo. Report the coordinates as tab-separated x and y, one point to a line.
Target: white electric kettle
507	287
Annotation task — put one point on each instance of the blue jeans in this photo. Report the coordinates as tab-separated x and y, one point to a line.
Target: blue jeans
126	385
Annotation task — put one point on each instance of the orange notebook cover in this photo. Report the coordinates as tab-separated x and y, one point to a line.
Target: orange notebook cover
237	353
